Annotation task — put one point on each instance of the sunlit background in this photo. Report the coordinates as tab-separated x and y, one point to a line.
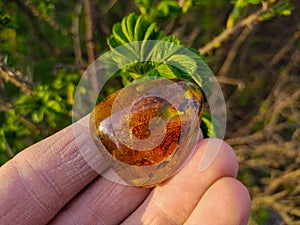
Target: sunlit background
252	46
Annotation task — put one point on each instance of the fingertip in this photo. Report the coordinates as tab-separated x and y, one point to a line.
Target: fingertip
217	152
227	202
236	200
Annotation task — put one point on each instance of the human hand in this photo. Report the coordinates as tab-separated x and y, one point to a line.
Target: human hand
51	183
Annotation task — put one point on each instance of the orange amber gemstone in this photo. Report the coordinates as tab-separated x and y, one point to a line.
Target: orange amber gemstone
147	129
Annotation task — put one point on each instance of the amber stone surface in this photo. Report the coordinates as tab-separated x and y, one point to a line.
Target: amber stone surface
169	120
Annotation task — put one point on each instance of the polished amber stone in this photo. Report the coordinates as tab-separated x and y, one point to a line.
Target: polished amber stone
117	122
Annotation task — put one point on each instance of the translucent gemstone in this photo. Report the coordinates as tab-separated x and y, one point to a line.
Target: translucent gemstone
148	129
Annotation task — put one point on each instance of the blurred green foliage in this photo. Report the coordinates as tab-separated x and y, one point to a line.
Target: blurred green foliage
38	114
44	45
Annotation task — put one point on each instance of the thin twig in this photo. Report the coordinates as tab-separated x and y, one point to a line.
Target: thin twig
229	31
41	38
283	51
71	66
9	151
231	81
49	20
15	77
5	93
192	36
269	101
234	50
281	180
108	6
75	33
5	107
259	136
90	46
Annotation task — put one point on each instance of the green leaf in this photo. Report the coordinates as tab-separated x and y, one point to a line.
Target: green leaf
172	39
210	126
118	34
236	12
187	5
168	8
163	49
112	42
132	28
166	71
183	62
128	27
126	79
283	8
38	116
45	7
254	2
2	140
164	58
165	9
150	33
144	6
54	105
5	20
140	28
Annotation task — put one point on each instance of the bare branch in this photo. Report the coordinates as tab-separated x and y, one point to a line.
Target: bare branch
229	31
283	51
231	81
45	44
190	39
15	77
9	151
234	50
50	21
108	6
260	136
4	107
90	46
281	180
75	33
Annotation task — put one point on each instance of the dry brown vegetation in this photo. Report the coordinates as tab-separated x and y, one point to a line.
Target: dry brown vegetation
264	117
257	64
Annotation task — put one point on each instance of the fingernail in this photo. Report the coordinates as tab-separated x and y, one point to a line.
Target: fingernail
212	148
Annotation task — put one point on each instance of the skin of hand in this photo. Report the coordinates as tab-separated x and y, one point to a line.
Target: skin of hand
51	183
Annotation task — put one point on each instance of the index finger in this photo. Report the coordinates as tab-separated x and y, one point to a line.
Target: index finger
40	180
